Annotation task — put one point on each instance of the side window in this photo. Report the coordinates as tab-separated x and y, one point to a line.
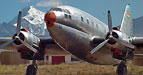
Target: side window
82	19
87	21
69	16
97	25
66	16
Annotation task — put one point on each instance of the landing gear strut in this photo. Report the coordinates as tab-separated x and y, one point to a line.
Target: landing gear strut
32	68
123	56
122	67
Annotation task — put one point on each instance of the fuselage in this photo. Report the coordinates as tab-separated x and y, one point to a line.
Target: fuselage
80	20
72	29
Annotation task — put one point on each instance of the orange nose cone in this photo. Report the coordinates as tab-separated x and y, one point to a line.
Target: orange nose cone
50	18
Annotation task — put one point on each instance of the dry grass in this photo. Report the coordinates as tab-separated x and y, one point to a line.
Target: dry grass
65	69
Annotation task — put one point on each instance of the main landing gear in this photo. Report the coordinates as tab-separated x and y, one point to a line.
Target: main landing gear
122	68
123	56
32	69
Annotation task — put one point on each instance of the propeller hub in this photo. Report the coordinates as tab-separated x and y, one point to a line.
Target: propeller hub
16	40
111	37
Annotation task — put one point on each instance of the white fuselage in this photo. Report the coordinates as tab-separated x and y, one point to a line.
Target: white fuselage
73	30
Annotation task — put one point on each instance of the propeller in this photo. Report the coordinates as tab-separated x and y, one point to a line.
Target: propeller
19	23
55	3
6	44
109	22
111	37
99	46
51	3
4	50
17	30
16	36
125	43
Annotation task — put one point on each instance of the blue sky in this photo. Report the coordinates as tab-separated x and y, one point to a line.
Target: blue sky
97	8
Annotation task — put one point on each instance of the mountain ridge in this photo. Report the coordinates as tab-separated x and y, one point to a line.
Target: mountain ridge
33	20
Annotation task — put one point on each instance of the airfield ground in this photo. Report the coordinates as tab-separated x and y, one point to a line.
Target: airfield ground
72	69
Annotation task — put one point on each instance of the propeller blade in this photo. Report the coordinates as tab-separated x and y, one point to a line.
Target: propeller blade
6	44
125	43
99	46
51	3
27	45
109	22
19	22
4	50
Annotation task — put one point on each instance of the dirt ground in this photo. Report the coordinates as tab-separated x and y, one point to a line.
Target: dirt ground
70	69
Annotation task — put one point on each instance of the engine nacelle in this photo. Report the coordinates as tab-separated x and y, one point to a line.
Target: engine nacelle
32	40
120	35
117	34
28	38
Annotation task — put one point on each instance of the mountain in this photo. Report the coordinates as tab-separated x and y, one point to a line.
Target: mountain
138	26
32	19
6	29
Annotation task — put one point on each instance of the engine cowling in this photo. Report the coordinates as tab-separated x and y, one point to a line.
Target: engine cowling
32	40
28	38
116	34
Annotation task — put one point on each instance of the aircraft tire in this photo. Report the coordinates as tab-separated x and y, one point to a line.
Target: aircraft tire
31	69
122	68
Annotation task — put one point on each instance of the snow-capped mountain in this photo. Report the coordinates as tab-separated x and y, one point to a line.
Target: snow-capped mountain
32	19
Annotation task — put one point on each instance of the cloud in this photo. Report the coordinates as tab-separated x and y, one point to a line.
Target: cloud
25	1
46	3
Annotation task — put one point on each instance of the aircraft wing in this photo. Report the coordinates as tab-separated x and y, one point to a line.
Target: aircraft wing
47	40
137	41
43	40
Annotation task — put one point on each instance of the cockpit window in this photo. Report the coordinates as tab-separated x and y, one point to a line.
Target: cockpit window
66	11
68	16
56	9
62	10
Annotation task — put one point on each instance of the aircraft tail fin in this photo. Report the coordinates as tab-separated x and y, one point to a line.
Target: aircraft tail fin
127	23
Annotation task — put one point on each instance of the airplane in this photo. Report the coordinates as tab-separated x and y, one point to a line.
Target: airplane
82	35
91	40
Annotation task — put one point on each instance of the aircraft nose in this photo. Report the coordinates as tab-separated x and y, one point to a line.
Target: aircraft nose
50	18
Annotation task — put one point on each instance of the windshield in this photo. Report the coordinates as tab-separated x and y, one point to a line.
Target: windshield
59	9
56	9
